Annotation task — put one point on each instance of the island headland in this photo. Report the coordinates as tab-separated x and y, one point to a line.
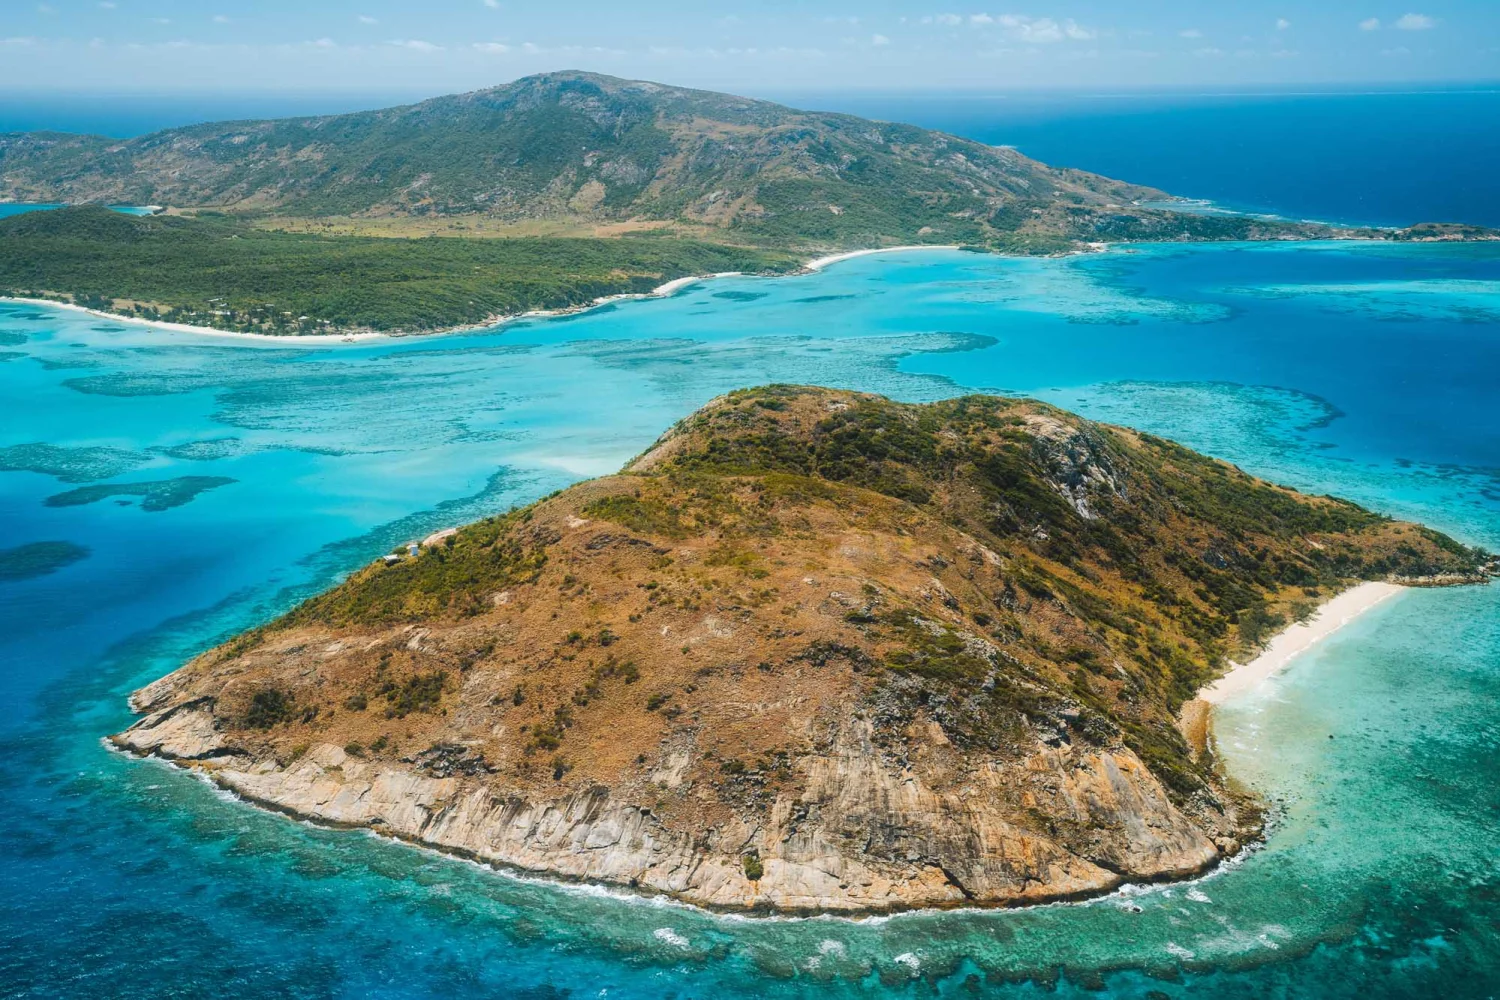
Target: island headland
813	652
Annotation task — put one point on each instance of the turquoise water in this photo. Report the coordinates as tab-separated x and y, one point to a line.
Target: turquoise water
160	491
8	209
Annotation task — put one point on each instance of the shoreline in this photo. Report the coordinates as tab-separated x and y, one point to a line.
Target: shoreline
664	290
1298	639
818	263
638	894
1283	650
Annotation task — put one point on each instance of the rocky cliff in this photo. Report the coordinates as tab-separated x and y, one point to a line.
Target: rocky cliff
815	651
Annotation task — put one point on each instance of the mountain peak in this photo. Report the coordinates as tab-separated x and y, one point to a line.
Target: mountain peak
578	145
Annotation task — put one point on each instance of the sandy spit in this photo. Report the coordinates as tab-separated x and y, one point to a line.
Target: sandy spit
1298	639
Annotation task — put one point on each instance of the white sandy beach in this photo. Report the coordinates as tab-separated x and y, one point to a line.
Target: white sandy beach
834	258
205	331
489	323
1297	640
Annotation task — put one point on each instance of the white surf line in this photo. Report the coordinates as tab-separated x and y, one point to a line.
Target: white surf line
1298	639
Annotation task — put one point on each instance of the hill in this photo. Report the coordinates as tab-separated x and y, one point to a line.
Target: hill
814	651
581	146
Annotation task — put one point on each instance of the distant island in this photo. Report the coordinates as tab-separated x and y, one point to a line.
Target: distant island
814	651
547	193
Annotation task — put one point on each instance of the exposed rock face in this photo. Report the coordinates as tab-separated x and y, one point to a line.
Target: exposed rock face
921	847
813	652
1077	461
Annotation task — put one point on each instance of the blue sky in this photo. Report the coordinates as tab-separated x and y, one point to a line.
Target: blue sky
166	46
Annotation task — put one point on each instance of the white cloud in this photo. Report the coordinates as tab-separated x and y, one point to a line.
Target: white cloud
220	19
1370	24
1282	24
1208	52
1078	32
879	40
19	43
325	43
949	20
367	19
416	44
492	4
1034	30
1415	22
45	8
496	48
571	51
1190	33
1396	53
107	4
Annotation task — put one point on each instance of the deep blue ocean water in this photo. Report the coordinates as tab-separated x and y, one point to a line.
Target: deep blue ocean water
1365	370
1368	156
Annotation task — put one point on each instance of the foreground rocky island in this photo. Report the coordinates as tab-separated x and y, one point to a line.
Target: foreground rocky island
814	651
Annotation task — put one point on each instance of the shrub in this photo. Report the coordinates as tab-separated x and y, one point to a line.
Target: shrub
420	693
269	707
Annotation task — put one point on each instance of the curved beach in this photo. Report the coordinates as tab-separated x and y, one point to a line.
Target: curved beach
1298	639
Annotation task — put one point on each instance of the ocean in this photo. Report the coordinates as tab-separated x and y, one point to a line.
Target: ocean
1359	369
1363	370
1373	156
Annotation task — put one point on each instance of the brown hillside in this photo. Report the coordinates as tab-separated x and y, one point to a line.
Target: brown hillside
815	651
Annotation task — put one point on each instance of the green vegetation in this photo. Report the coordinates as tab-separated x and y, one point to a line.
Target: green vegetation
483	558
221	272
560	153
643	515
418	693
269	707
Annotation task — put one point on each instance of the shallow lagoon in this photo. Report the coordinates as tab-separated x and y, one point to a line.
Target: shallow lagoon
1365	370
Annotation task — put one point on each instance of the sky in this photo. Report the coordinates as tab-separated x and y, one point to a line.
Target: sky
438	46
